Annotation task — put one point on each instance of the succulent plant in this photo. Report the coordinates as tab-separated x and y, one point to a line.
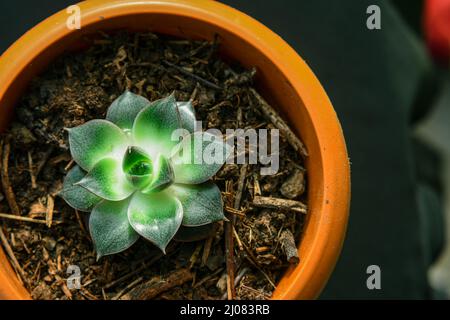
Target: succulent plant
137	179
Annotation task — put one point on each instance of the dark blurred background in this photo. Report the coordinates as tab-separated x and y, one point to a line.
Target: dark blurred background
392	100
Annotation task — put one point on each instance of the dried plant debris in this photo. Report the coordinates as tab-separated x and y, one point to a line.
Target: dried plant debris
48	242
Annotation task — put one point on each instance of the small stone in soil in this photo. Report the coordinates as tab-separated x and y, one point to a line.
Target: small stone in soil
294	186
49	243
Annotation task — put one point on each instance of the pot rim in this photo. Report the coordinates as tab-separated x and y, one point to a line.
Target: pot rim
310	276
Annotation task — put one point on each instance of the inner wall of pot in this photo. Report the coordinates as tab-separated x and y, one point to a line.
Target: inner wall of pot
270	82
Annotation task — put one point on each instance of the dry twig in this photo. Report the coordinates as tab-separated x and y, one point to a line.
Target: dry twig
44	160
158	285
144	266
31	170
289	247
251	258
203	81
207	250
127	288
238	279
278	122
229	243
6	184
233	211
278	203
241	183
13	258
49	211
25	219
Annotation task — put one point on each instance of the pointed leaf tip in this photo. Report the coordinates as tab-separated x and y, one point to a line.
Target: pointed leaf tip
76	196
156	217
125	108
202	203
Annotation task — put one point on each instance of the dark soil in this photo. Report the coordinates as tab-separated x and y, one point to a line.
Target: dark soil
79	87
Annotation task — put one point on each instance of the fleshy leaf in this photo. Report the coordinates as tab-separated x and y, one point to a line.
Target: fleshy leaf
110	229
188	113
125	108
202	203
162	175
95	140
108	181
156	217
154	125
137	166
199	156
76	196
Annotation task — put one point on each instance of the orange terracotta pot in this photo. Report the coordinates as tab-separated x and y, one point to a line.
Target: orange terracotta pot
283	78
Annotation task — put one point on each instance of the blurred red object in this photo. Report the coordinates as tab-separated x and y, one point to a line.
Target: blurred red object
437	29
